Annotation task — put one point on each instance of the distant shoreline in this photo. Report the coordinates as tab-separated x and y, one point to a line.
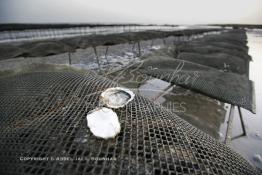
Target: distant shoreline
236	26
28	26
17	26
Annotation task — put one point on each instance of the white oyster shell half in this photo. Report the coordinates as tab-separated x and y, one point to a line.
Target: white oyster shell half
103	123
116	97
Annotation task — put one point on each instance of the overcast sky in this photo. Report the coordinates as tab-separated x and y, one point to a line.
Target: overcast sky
131	11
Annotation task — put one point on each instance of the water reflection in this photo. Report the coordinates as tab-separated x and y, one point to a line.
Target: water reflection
201	111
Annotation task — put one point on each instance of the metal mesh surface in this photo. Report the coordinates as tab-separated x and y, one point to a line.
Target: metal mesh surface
63	45
226	51
219	61
225	86
44	115
232	42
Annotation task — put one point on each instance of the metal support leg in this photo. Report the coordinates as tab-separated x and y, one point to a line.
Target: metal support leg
133	48
242	121
69	58
106	54
229	125
242	125
152	43
139	48
164	41
97	59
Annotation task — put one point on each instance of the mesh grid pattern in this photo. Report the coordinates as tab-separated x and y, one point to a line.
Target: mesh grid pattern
225	86
63	45
44	114
218	61
238	90
226	51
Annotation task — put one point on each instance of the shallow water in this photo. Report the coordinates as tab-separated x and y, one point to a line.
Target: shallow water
250	146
